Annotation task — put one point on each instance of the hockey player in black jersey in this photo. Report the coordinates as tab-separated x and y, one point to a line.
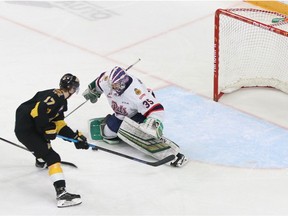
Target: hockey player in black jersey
38	121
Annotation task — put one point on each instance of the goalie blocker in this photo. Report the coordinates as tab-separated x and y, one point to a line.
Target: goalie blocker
133	134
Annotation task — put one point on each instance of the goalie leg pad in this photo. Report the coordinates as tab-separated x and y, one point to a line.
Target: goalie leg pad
97	127
130	133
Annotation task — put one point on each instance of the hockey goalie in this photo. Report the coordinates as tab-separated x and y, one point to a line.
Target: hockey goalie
137	118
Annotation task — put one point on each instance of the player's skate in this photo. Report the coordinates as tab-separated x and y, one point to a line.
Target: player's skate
180	161
40	163
65	199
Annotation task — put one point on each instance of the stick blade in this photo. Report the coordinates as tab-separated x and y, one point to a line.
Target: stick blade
163	161
69	164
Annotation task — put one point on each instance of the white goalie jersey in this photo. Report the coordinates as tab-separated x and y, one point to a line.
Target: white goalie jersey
136	99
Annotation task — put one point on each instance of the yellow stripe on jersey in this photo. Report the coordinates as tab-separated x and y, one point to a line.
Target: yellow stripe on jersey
34	111
59	125
51	131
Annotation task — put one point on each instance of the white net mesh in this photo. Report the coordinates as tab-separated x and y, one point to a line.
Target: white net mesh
251	55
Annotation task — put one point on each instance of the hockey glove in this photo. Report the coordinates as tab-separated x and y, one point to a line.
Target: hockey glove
50	132
82	141
91	94
153	127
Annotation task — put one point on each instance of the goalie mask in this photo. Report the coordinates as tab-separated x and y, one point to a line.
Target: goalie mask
69	83
118	80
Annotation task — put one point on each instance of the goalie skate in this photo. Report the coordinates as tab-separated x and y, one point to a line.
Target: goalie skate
180	161
66	199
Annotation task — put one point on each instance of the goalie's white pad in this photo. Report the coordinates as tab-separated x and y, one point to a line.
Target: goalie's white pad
153	127
131	134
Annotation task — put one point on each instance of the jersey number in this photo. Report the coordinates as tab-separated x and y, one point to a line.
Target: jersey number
49	100
147	103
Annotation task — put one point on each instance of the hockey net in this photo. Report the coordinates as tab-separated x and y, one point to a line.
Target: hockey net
250	50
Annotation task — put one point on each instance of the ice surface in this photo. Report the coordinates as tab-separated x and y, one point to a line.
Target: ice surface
40	41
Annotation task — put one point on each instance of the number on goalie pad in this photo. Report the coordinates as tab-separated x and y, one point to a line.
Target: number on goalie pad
130	132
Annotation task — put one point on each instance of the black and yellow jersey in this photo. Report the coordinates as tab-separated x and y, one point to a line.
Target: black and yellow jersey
45	107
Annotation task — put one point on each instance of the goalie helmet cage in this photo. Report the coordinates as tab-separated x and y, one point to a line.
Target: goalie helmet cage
249	50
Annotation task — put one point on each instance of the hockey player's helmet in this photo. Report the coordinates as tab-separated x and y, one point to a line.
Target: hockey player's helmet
118	79
69	82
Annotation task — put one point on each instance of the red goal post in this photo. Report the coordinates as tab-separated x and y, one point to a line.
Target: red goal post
250	49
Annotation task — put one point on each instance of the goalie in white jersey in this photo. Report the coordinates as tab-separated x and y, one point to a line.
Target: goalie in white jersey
137	117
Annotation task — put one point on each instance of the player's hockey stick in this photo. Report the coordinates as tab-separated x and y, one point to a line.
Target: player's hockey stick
87	100
156	163
76	108
19	146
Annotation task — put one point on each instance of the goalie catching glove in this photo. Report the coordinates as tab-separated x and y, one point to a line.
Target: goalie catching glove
91	94
153	127
82	141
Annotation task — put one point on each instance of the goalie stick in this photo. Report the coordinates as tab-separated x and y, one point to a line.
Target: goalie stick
19	146
155	164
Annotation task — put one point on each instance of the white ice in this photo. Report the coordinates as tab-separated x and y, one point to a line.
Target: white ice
40	41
